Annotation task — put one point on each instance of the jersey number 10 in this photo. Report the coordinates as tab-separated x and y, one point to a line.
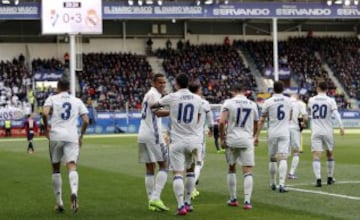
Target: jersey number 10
185	113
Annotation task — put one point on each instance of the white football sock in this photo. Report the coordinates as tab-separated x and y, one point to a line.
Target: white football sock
160	182
189	186
294	164
248	187
331	167
231	181
57	187
272	172
197	172
178	187
282	172
74	181
317	169
149	184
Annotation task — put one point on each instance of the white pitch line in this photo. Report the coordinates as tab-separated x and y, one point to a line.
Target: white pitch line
324	193
91	136
337	182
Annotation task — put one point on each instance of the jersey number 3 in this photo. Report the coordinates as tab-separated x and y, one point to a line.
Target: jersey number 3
65	115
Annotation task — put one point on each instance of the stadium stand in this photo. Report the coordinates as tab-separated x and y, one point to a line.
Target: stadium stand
15	80
112	79
216	67
301	56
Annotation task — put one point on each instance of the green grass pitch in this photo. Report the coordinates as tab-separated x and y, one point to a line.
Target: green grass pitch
112	184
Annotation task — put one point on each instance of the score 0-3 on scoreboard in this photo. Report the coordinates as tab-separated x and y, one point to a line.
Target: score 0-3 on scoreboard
71	17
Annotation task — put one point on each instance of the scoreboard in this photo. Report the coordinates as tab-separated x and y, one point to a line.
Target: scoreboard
71	17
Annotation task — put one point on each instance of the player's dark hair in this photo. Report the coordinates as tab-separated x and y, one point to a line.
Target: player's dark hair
182	80
194	87
237	87
63	83
278	87
156	76
323	86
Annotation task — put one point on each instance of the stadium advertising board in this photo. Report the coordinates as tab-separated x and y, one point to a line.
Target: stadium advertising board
56	20
122	122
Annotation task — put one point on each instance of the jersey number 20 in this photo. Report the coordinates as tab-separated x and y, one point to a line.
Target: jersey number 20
319	111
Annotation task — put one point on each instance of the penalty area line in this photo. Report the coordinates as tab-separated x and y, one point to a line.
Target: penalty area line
324	193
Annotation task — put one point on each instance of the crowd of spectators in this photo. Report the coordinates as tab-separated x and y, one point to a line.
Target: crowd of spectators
215	67
300	56
343	56
15	81
114	80
45	66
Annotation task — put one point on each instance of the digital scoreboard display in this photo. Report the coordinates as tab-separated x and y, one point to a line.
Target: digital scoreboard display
71	17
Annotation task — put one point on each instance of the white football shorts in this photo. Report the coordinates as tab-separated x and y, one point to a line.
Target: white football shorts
319	142
278	145
183	155
152	153
245	156
63	150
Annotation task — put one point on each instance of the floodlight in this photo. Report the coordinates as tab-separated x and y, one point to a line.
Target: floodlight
208	2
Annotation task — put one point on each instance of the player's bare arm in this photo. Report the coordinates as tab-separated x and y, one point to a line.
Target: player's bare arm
256	140
85	123
45	117
222	122
161	112
260	126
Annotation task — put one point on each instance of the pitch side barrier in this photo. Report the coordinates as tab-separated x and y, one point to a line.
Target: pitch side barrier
129	122
188	10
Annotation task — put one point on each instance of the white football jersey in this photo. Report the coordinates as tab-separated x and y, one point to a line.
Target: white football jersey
64	118
298	109
242	113
185	110
206	118
321	108
150	125
278	109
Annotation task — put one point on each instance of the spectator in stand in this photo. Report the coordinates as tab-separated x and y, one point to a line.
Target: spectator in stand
67	60
227	42
180	45
149	44
168	44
